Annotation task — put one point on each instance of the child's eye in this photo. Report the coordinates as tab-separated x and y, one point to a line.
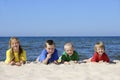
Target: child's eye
52	48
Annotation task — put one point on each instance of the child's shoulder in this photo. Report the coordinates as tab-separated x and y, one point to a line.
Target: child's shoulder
44	51
64	53
9	50
105	53
75	52
24	51
55	51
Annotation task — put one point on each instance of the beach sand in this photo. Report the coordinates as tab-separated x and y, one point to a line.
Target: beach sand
82	71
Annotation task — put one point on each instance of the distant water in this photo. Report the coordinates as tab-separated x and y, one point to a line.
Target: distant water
83	45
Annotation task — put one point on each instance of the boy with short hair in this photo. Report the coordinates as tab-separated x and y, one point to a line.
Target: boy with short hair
49	54
69	54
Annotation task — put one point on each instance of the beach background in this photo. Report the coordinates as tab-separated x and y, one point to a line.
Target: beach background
82	22
82	71
83	45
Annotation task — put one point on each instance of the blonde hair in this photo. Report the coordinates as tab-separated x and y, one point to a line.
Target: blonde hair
20	49
68	44
12	39
99	44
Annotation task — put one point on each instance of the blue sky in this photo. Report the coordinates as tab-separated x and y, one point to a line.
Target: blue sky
59	18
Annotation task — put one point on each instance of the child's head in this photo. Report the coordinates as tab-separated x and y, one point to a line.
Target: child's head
50	46
68	47
14	43
99	48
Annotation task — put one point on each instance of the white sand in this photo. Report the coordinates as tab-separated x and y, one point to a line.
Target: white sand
82	71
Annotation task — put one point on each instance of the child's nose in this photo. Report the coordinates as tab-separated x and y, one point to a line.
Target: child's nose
70	51
51	50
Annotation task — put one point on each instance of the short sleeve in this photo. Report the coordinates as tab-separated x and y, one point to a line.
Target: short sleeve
9	56
42	56
63	58
23	56
56	55
76	56
94	58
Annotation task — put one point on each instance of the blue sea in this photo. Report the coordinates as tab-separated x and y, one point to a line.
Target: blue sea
83	45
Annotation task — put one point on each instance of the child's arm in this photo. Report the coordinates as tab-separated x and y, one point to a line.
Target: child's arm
75	61
23	57
87	60
9	57
22	62
46	59
94	58
37	59
65	62
107	58
12	63
55	62
15	63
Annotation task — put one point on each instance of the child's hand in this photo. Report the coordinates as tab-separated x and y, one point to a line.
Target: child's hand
75	62
67	63
101	61
49	56
18	64
22	62
12	63
55	62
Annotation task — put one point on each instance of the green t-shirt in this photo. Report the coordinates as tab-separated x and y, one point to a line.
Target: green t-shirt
73	57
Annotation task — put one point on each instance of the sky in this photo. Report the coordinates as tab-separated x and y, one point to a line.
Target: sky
59	17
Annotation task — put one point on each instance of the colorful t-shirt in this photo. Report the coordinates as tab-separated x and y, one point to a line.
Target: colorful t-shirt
15	57
44	53
97	58
73	57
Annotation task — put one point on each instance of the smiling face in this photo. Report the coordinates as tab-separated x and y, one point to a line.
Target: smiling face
50	48
68	47
69	50
14	44
100	50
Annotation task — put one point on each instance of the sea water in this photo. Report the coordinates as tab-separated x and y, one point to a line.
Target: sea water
83	45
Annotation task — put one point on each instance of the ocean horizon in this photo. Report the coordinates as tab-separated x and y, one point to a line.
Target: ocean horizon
84	45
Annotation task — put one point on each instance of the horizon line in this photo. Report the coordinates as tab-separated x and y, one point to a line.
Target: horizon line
59	36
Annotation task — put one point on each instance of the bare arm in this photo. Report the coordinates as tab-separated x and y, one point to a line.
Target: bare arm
55	62
47	58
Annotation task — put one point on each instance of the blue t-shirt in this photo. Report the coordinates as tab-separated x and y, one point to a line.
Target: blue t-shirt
44	53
